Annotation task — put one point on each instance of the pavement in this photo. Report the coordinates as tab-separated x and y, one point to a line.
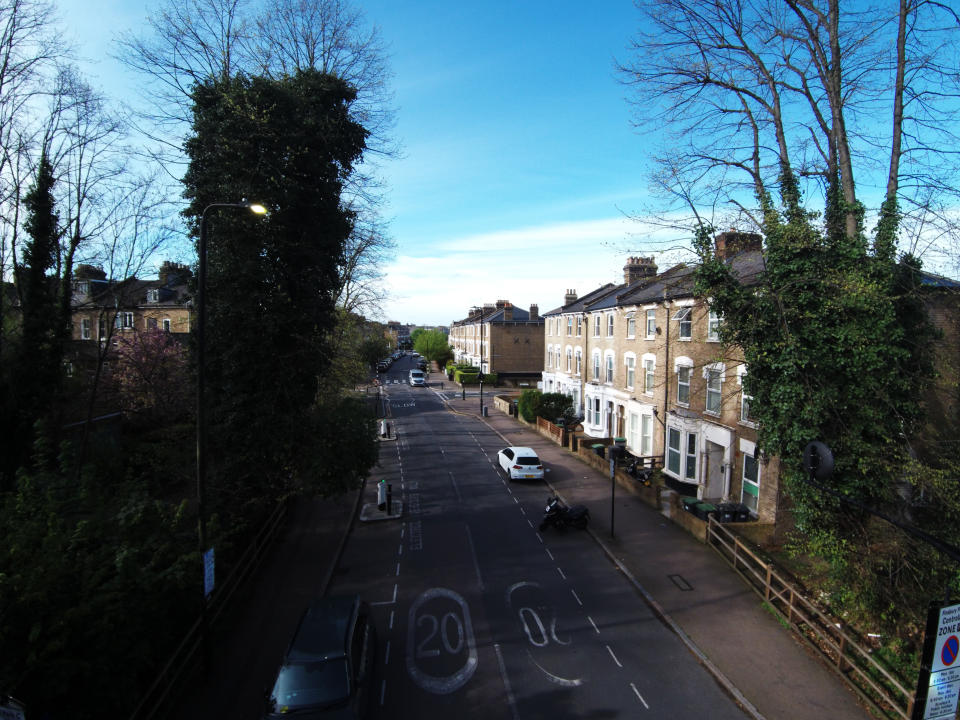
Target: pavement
759	662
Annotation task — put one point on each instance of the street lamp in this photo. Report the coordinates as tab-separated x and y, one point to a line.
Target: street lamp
201	411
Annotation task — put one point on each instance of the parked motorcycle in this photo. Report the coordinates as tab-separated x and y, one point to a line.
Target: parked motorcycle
560	516
641	473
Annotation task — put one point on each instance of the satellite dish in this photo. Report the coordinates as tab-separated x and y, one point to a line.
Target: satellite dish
818	460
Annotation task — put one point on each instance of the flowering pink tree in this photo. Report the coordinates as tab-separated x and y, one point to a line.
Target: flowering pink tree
152	375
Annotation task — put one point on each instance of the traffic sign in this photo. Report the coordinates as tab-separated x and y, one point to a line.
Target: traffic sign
939	685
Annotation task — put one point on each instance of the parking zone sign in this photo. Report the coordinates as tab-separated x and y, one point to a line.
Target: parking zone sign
939	685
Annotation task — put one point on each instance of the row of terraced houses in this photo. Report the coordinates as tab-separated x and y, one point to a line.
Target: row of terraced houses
642	361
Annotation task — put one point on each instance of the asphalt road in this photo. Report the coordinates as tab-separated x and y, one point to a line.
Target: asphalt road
480	615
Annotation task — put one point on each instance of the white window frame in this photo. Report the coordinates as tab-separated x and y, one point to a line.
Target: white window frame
608	367
165	323
714	394
84	328
579	326
713	326
630	360
651	323
646	434
569	325
684	318
649	364
683	363
579	356
674	454
596	325
631	326
596	365
610	325
569	359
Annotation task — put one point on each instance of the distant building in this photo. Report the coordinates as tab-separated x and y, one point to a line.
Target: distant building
503	339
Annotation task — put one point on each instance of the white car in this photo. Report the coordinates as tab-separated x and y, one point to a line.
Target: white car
520	463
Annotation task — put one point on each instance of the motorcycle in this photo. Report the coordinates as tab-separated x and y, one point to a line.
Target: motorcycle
560	516
636	470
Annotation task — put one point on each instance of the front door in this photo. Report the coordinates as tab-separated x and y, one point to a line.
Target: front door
713	483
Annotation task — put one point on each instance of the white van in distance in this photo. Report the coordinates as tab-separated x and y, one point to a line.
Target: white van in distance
417	377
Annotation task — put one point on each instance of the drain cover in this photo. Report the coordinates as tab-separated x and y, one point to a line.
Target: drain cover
680	582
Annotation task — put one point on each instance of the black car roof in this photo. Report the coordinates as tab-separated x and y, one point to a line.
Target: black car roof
323	630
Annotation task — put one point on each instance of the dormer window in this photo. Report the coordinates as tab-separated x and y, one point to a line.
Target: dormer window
153	295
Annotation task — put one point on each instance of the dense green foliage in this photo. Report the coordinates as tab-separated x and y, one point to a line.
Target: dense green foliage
550	406
837	350
289	144
99	573
433	345
34	357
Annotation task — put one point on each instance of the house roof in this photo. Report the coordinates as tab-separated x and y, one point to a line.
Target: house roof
579	305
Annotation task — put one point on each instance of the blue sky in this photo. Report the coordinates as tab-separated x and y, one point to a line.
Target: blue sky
519	163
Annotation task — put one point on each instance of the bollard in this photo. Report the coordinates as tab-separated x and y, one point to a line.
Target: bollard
382	495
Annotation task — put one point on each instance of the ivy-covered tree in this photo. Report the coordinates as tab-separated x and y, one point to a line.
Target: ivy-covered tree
37	371
290	144
836	350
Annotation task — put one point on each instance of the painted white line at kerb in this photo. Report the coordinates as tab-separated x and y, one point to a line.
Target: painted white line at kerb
614	657
506	683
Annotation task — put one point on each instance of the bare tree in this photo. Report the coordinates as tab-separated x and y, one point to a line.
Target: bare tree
192	41
752	89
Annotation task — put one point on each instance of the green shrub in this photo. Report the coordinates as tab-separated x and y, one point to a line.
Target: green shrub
528	403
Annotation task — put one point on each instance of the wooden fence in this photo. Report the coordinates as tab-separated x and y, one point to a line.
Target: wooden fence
848	654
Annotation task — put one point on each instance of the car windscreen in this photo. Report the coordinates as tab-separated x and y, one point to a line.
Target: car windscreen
528	460
310	684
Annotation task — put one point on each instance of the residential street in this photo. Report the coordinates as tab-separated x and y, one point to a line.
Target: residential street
481	615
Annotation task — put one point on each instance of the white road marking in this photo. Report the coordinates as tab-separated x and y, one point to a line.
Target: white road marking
391	620
530	523
473	554
594	624
577	597
388	602
398	569
558	570
386	657
383	691
540	538
640	696
400	549
550	554
506	682
613	656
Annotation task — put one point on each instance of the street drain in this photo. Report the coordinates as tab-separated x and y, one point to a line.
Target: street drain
680	582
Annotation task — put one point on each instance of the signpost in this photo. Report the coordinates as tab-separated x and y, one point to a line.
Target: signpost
939	684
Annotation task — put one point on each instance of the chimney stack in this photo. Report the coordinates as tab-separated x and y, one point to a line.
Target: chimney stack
507	311
638	268
733	242
570	297
534	313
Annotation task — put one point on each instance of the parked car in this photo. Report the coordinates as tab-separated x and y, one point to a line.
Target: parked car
383	366
417	377
328	667
422	364
520	463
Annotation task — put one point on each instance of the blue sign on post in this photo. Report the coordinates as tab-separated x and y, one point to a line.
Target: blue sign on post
208	572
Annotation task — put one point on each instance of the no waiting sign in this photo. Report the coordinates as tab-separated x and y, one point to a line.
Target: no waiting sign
939	685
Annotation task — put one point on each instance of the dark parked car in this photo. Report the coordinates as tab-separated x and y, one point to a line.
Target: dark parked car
328	667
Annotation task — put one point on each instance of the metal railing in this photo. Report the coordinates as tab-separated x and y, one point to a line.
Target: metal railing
842	649
184	658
